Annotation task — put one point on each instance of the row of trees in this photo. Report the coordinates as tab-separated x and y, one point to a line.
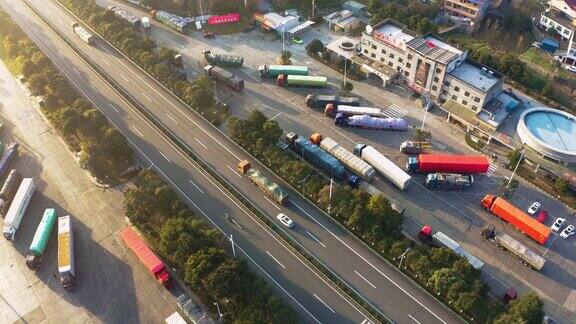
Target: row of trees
415	14
196	250
103	150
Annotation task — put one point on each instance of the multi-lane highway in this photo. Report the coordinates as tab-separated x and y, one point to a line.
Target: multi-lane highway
376	280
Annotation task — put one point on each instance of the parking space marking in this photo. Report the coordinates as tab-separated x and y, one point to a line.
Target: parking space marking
270	254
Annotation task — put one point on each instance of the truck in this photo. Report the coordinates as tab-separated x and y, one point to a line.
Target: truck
7	157
508	243
127	16
347	110
273	71
145	22
18	207
320	101
41	239
366	121
355	164
517	218
284	80
66	262
223	59
152	262
383	165
271	189
465	164
441	239
413	147
228	79
448	181
82	33
9	190
180	24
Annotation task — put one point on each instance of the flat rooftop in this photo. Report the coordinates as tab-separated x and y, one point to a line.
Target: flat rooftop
473	75
433	40
435	49
394	32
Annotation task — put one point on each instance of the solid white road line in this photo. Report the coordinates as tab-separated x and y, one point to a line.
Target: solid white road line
123	77
115	109
174	120
73	68
415	320
136	129
275	259
315	238
330	308
275	116
197	140
145	96
273	204
167	159
236	173
192	182
361	276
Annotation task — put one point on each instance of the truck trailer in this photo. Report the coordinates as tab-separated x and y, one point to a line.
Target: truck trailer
465	164
517	218
127	16
449	181
332	110
320	101
273	71
413	147
66	263
444	240
41	239
383	165
271	189
82	33
301	81
355	164
152	262
508	243
228	79
223	59
366	121
9	190
180	24
18	208
7	158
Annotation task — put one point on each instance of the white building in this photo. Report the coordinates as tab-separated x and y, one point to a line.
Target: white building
561	17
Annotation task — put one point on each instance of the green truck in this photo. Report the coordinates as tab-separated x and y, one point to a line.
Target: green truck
273	71
272	189
41	238
223	59
284	80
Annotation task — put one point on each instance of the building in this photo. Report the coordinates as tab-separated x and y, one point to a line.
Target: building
468	13
276	22
561	17
342	21
356	8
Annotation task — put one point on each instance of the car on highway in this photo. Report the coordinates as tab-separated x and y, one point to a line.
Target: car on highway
534	208
568	231
542	216
188	307
285	220
558	224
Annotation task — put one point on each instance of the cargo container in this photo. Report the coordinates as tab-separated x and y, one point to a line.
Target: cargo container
331	110
228	79
443	240
449	181
271	189
517	218
82	33
180	24
125	15
18	207
320	101
9	190
411	147
508	243
7	158
152	262
41	239
466	164
383	165
66	262
273	71
353	163
223	59
145	22
301	81
365	121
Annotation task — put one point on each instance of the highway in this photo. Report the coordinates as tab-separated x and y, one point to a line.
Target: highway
376	280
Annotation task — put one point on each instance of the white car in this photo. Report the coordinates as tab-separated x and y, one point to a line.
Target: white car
570	68
285	220
534	208
569	230
558	224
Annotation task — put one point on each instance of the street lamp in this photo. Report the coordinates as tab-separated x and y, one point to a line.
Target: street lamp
330	196
402	258
233	248
218	307
516	167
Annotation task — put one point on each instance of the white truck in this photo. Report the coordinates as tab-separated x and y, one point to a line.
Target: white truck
350	161
352	110
18	207
446	241
82	33
66	267
383	165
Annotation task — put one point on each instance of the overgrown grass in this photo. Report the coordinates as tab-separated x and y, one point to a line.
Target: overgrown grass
536	56
13	65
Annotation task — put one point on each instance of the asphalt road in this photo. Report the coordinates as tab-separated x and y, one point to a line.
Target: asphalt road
378	281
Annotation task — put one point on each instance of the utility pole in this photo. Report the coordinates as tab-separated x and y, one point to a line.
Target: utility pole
345	68
515	168
215	93
201	11
218	307
313	7
402	258
427	104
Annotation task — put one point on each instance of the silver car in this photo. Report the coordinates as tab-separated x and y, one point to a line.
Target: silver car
285	220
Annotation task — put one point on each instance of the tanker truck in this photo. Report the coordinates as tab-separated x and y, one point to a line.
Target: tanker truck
366	121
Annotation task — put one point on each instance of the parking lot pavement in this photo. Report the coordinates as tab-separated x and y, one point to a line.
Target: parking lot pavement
112	287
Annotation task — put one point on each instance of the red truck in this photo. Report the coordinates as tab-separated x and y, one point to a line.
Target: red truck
135	242
526	224
466	164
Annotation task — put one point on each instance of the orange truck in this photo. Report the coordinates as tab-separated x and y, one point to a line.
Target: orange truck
519	219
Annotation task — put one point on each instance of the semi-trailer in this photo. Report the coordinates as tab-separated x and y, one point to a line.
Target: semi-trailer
320	101
7	157
82	33
66	262
9	190
41	239
152	262
273	71
228	79
125	15
449	181
442	239
271	189
18	208
366	121
180	24
332	110
517	218
301	81
223	59
383	165
465	164
355	164
508	243
413	147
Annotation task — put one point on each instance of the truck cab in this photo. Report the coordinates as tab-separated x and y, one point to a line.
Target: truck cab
354	181
410	147
425	234
488	201
412	164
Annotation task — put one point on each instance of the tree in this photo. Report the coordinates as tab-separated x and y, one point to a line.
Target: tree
285	57
315	46
421	135
230	280
561	184
513	158
200	264
527	309
346	87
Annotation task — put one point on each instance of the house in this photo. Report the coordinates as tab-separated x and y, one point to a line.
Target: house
468	13
561	17
342	21
356	8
